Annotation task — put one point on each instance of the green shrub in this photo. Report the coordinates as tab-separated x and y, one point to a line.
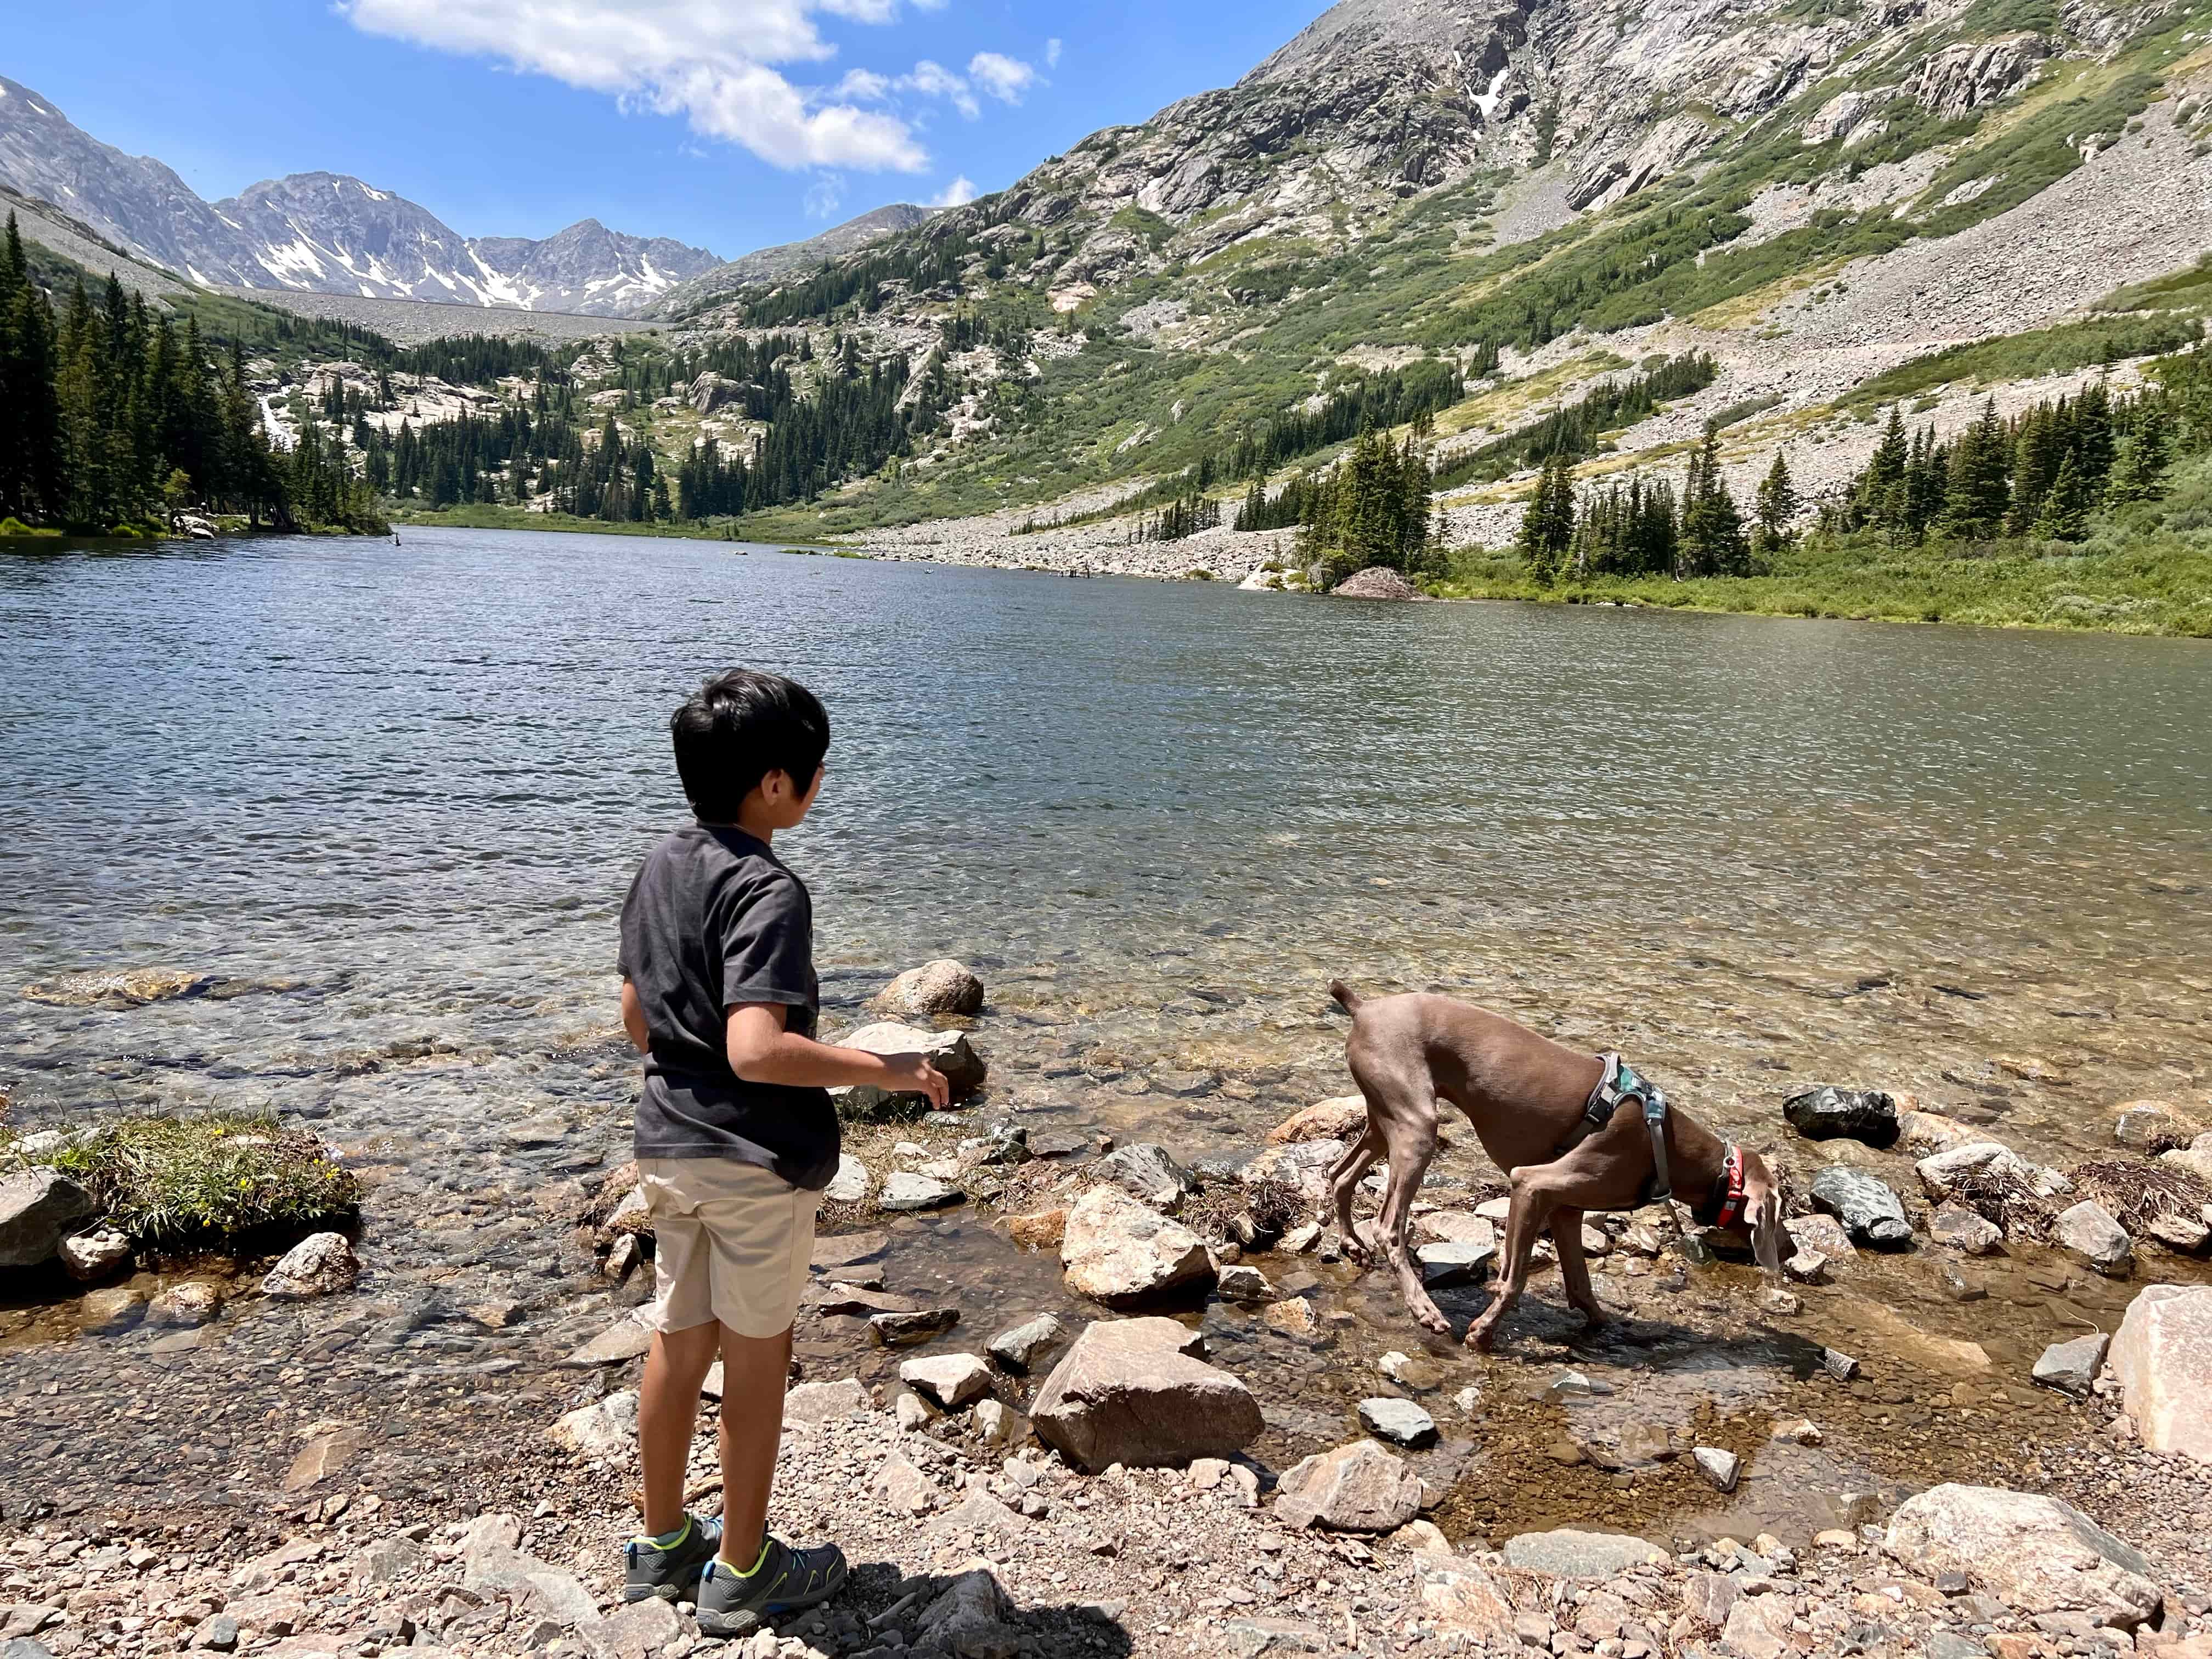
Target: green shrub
163	1179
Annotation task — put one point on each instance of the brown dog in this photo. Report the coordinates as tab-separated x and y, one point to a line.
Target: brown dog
1526	1097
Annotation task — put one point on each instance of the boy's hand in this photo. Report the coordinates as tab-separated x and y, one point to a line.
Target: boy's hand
913	1074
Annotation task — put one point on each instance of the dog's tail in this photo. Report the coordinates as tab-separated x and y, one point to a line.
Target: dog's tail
1348	998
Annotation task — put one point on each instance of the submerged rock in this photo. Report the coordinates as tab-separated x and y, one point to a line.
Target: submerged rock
117	988
1567	1553
1124	1394
1828	1113
1869	1211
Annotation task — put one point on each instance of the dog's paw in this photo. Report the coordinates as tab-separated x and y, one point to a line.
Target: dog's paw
1431	1319
1481	1335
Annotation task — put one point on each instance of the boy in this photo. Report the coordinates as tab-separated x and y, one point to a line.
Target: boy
736	1138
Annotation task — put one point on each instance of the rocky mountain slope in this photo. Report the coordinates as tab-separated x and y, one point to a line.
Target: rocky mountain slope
323	232
771	265
1816	192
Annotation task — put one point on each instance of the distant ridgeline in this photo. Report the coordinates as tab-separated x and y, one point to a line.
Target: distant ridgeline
112	417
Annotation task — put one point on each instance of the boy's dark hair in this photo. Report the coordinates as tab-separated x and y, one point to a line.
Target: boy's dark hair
737	729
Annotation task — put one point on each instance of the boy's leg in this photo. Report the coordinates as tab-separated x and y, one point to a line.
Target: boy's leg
754	1371
667	1410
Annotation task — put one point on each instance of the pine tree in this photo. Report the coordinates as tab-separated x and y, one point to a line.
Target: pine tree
2065	513
1711	541
1775	507
2140	461
1547	526
1977	491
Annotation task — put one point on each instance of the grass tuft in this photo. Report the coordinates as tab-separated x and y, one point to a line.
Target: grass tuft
161	1180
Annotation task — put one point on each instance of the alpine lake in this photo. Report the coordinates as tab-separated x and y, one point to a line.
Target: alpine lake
382	803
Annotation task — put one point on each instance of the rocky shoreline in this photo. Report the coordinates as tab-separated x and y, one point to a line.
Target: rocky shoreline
1009	1325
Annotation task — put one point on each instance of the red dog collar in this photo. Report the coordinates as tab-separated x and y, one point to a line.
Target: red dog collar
1731	1210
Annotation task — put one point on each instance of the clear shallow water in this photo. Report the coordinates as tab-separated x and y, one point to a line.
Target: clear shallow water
409	786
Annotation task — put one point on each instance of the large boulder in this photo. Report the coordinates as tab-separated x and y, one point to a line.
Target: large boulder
2034	1552
1337	1119
1375	582
949	1051
38	1208
1361	1487
1869	1211
936	990
1146	1173
1125	1393
2162	1358
1119	1252
1828	1113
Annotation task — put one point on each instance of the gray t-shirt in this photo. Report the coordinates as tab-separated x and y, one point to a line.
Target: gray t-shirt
714	920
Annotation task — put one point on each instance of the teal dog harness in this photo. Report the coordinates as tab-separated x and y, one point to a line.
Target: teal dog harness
1621	1083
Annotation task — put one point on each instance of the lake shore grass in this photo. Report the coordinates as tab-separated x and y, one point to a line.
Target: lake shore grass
2159	587
764	528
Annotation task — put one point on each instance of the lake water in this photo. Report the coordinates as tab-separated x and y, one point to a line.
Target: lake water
387	801
408	786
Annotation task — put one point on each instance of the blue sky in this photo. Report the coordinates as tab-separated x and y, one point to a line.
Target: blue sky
728	123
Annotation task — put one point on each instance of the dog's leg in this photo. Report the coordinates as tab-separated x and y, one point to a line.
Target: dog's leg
1412	1149
1537	1190
1344	1181
1574	1266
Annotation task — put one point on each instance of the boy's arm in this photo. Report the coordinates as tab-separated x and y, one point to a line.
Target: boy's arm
762	1051
634	1018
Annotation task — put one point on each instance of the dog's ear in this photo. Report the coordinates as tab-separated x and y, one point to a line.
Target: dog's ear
1765	1195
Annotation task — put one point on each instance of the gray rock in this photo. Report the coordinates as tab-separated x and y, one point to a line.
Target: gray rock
627	1339
1123	1394
1118	1251
1828	1113
998	1424
949	1051
2034	1552
1445	1264
605	1429
38	1208
2071	1367
1254	1636
970	1618
2147	1126
1399	1421
1869	1211
2091	1232
1361	1487
850	1184
906	1190
897	1330
104	1313
902	1486
1017	1346
1242	1282
812	1404
321	1264
1722	1467
1963	1228
1146	1173
1565	1553
557	1595
637	1630
388	1559
936	990
953	1380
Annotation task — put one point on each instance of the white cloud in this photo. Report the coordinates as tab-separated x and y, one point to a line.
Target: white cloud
707	60
958	193
935	81
1052	52
1002	77
825	196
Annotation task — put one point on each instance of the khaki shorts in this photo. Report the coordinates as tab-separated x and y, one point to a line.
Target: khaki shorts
730	1241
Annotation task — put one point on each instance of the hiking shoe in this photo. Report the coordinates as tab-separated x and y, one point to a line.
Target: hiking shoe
733	1603
670	1570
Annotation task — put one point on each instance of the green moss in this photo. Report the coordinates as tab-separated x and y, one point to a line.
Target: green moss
161	1179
